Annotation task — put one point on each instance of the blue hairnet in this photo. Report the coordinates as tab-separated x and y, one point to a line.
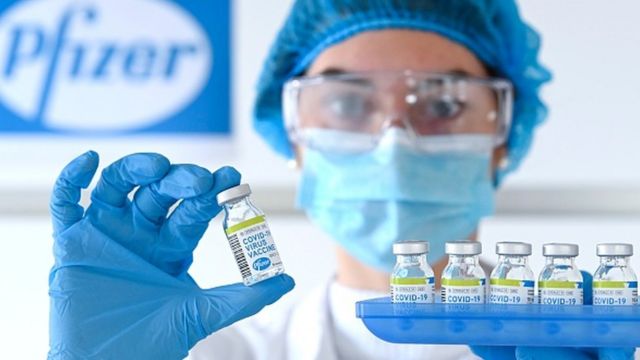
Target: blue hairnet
491	29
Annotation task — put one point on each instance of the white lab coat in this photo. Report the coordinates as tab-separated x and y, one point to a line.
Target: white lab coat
321	326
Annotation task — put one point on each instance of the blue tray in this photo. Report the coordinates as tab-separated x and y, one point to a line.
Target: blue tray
494	324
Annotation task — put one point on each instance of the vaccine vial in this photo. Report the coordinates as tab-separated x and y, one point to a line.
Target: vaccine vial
512	280
614	282
412	279
463	280
560	281
249	236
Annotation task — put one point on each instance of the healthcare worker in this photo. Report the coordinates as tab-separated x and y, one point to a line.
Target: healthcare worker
404	117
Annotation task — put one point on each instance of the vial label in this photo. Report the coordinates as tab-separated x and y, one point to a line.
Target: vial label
253	246
463	291
560	292
615	292
508	291
412	290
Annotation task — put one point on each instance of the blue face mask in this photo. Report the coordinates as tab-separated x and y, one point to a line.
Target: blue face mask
368	201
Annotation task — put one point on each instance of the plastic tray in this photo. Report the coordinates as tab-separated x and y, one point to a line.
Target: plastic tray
494	324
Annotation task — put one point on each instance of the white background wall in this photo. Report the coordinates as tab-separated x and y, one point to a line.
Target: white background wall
588	142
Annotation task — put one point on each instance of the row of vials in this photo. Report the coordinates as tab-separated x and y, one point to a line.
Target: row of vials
512	281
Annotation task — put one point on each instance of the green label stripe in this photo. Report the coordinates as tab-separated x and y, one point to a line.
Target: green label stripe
512	282
611	284
411	281
245	224
505	282
559	284
462	282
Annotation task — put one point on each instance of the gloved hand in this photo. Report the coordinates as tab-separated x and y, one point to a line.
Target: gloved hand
556	353
119	288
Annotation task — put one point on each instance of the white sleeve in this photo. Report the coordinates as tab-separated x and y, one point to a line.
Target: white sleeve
228	343
259	337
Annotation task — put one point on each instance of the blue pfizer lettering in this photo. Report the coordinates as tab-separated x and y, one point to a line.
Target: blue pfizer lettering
21	49
128	75
58	40
261	264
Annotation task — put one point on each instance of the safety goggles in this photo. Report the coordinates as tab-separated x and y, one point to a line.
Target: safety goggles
355	109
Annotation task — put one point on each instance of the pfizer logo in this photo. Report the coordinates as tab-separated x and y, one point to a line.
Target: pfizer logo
101	64
262	263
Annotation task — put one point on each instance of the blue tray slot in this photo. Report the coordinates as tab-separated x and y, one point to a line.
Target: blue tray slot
494	324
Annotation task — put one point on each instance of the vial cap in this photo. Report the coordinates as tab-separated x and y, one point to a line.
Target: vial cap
413	247
513	248
233	193
559	249
616	249
464	247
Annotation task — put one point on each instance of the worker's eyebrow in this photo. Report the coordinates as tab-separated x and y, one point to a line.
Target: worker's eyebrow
365	81
337	71
356	80
459	72
333	71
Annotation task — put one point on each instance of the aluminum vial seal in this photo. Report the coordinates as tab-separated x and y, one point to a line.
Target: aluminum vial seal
560	249
464	247
413	247
615	249
234	193
513	248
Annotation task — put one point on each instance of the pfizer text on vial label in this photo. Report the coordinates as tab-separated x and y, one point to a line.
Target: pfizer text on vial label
253	246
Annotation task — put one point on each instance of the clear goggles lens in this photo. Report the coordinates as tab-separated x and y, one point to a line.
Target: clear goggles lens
426	105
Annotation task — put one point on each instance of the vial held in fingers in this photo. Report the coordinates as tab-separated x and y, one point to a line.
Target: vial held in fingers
249	236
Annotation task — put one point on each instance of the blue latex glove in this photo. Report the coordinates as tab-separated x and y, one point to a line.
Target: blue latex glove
119	288
556	353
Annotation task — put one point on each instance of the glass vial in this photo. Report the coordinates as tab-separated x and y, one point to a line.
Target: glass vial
249	236
560	281
412	279
614	282
463	280
512	280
